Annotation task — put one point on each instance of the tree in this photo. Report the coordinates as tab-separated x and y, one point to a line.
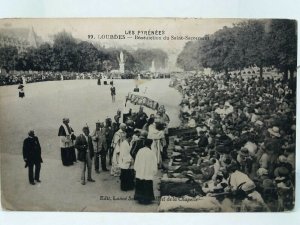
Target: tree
283	43
45	57
112	55
218	52
8	57
64	49
252	40
86	57
130	62
144	57
41	58
189	58
251	43
107	65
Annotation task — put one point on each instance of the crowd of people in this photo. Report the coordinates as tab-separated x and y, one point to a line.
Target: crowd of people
134	147
242	151
40	76
17	77
245	137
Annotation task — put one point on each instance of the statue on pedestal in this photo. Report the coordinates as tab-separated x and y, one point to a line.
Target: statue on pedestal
121	63
152	69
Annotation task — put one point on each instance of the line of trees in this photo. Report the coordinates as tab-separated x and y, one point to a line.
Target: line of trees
261	43
70	54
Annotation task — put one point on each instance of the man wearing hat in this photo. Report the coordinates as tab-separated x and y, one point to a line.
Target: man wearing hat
282	162
113	92
221	110
245	161
32	156
191	177
85	148
99	137
274	132
203	140
116	123
228	108
141	118
253	202
21	90
236	178
285	191
109	136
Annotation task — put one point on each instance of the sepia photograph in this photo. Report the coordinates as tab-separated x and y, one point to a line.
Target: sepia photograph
148	114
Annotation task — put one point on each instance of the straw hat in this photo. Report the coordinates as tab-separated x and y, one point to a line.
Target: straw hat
190	173
244	152
192	123
280	178
274	131
227	104
282	159
261	172
259	123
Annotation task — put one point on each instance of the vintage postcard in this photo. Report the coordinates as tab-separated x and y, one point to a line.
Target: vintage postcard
148	114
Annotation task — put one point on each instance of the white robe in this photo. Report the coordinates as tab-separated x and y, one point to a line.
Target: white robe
238	179
125	158
145	164
157	136
66	141
117	140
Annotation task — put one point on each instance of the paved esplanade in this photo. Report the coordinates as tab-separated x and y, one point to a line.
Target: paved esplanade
43	108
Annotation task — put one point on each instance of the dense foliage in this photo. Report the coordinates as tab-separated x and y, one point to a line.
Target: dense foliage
70	54
261	43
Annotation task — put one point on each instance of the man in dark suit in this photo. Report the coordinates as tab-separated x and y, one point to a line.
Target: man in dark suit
32	156
99	137
141	118
113	92
85	148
